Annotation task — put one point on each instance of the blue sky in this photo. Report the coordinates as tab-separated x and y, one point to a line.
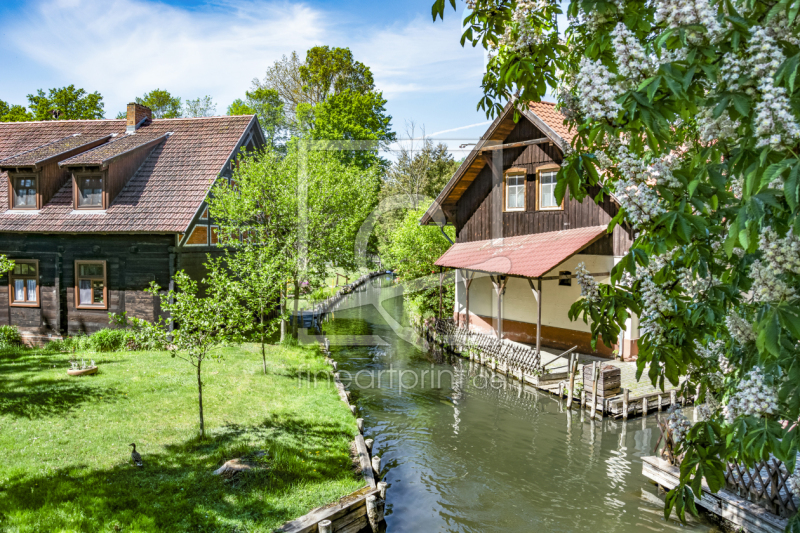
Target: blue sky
123	48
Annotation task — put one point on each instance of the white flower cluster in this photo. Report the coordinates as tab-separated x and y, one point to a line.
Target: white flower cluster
597	91
677	13
781	256
632	61
753	398
588	284
636	190
774	123
714	129
678	425
711	351
655	303
778	28
740	329
524	34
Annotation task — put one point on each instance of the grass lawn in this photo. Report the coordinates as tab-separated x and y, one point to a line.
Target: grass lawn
66	460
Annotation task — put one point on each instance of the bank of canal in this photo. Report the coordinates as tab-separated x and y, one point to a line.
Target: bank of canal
468	451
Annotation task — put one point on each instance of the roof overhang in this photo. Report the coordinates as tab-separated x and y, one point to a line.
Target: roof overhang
475	161
526	256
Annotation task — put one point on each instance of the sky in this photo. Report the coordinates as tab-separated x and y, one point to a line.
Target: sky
192	48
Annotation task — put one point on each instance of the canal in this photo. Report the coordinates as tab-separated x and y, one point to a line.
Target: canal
464	449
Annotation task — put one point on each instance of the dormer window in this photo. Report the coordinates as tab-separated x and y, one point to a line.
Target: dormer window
89	193
24	192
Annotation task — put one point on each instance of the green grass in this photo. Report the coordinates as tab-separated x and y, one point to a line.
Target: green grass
66	461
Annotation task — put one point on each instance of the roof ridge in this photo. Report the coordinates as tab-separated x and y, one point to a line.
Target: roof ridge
67	121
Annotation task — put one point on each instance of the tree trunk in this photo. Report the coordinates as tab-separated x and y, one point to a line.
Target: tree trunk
200	398
296	307
263	340
283	310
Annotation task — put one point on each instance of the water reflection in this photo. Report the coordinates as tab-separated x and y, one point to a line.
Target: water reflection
464	457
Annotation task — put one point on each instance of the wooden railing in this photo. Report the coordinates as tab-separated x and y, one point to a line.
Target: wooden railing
511	358
766	484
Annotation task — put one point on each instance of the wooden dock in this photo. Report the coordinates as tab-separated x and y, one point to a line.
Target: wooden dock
739	512
525	364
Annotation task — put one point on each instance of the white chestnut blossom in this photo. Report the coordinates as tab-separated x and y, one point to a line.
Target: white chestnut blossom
714	129
779	258
678	425
588	285
632	62
525	33
655	304
774	123
597	91
740	329
754	397
636	190
677	13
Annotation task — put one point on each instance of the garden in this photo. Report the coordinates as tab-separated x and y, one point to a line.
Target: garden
65	440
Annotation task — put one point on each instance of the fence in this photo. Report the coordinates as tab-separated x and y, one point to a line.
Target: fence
765	484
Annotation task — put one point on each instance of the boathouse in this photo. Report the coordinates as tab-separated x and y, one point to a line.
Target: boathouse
516	248
97	209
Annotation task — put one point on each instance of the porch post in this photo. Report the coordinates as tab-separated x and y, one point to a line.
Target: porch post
539	317
467	283
441	281
500	288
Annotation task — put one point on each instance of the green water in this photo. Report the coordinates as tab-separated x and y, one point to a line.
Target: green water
471	451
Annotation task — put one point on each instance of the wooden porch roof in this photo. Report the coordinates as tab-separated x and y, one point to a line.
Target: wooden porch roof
527	256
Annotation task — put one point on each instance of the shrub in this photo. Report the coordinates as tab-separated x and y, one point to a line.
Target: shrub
110	340
9	337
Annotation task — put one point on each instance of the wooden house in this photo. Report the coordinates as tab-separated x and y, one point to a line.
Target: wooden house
97	209
516	248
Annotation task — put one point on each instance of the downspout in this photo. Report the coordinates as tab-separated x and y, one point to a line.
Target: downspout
445	235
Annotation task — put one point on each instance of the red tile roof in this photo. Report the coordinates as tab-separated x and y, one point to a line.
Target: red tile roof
39	154
529	256
552	117
116	147
162	196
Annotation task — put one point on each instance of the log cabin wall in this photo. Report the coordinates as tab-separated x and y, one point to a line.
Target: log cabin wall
474	208
132	262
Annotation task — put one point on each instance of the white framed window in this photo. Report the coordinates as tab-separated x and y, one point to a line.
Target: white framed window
515	191
547	191
24	283
91	286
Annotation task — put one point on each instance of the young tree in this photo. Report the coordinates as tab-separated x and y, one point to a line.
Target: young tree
66	103
307	202
200	107
161	103
687	113
284	78
203	323
256	271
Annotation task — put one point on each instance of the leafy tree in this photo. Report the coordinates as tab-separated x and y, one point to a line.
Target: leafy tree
421	168
68	103
13	113
412	252
200	107
308	203
267	105
257	273
284	78
688	114
161	103
330	71
204	322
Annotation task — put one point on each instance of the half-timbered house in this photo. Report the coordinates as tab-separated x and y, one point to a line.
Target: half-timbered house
97	209
516	247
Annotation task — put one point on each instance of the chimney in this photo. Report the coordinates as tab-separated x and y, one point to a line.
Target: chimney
137	115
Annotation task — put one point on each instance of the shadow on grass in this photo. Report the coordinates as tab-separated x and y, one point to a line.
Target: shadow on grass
175	490
32	390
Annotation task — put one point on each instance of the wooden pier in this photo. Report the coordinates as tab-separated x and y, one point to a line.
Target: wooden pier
525	364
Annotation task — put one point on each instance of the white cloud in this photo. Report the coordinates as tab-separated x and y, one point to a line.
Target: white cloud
124	48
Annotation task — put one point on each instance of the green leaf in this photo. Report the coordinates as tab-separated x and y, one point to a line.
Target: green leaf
733	237
769	334
742	104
